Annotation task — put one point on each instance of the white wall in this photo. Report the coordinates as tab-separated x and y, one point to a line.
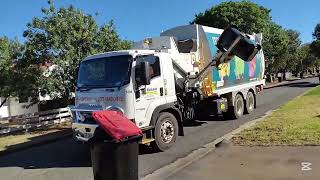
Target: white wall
4	112
4	108
16	108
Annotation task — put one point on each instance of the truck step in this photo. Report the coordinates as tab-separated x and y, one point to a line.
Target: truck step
146	140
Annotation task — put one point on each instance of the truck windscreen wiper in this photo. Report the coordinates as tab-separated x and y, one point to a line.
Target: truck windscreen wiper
88	88
84	88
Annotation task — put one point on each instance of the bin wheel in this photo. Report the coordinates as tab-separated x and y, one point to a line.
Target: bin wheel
166	131
250	102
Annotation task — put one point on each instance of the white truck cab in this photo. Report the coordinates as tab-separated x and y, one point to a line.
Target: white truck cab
112	81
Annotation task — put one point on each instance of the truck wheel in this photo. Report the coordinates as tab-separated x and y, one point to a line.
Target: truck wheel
236	111
250	101
166	131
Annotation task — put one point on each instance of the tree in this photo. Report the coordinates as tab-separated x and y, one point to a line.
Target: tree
62	37
247	16
108	39
315	45
316	33
5	63
292	55
16	79
315	48
308	59
250	18
274	44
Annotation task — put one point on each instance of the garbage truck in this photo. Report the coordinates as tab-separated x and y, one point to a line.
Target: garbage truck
165	81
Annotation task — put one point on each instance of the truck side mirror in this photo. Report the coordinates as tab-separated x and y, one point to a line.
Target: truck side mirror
238	43
144	73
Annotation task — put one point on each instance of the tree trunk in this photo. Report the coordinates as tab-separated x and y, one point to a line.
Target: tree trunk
2	103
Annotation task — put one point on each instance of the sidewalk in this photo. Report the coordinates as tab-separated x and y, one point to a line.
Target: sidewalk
229	162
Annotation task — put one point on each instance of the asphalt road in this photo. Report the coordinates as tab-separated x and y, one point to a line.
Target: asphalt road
67	160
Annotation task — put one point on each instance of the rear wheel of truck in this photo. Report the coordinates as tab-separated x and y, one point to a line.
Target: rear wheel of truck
166	131
238	106
250	102
236	111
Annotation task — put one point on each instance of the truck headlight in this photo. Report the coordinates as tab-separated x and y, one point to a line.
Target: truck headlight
115	108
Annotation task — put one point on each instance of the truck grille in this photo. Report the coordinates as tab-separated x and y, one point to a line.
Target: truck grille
86	117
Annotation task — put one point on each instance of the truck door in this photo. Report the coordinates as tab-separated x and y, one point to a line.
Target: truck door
148	97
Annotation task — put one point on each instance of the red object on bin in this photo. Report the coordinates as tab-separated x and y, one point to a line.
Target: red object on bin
116	125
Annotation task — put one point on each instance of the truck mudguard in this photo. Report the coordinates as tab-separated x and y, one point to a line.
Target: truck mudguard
169	107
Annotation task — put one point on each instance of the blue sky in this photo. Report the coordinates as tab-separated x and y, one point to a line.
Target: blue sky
136	19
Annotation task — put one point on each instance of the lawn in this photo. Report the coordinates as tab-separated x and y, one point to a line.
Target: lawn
295	123
11	140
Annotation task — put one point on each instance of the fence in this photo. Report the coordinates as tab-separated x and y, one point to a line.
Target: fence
27	122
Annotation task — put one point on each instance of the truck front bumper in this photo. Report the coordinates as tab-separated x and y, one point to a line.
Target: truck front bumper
83	132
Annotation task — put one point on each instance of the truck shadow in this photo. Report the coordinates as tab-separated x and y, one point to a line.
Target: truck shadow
204	119
212	117
193	123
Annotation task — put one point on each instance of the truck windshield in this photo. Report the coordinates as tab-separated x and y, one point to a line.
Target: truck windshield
105	72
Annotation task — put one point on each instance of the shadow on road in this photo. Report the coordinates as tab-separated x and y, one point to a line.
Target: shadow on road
298	84
60	154
63	153
212	117
193	123
145	149
204	119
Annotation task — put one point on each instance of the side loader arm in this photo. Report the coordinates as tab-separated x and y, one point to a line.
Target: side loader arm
231	43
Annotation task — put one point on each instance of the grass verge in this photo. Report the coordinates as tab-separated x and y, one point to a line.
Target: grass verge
12	140
295	123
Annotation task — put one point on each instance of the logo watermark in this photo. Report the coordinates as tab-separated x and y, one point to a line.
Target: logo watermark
306	166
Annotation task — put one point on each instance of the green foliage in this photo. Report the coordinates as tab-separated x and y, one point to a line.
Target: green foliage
308	59
316	33
315	45
275	47
16	79
108	39
5	63
292	55
315	48
63	37
247	16
252	18
282	48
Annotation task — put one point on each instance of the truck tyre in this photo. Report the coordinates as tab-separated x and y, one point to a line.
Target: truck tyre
236	111
250	102
166	131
